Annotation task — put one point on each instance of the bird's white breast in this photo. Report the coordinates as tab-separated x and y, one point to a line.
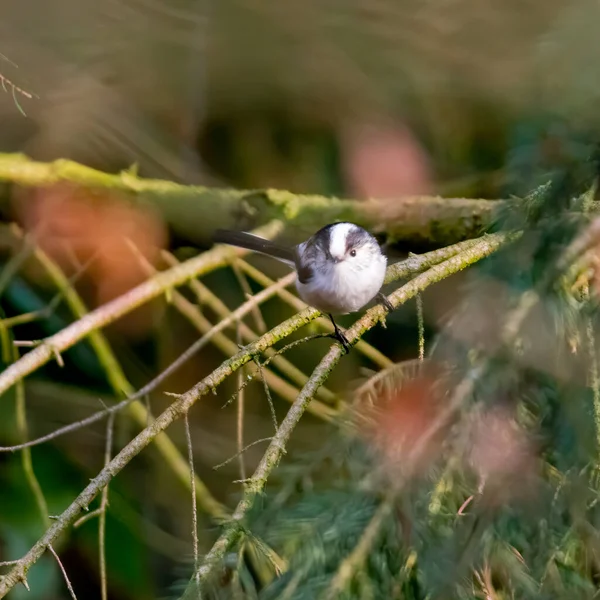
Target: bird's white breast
344	288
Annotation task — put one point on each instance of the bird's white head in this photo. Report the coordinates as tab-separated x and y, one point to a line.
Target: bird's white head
352	244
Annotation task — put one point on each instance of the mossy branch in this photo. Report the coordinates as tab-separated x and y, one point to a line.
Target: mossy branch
194	212
180	407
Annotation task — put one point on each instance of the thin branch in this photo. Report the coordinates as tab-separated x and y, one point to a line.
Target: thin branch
421	323
267	394
240	417
188	438
64	572
30	477
259	321
103	509
241	451
194	212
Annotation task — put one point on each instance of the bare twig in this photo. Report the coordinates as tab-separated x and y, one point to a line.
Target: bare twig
267	394
240	416
188	437
32	480
421	323
103	507
241	451
259	322
63	571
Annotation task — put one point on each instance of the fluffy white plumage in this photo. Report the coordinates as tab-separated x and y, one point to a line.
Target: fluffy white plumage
344	283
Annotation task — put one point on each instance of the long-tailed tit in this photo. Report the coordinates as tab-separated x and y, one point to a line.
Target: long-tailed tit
340	268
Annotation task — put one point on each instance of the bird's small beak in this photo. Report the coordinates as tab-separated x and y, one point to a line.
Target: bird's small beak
336	259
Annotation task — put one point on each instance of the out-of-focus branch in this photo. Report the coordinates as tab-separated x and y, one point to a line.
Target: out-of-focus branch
111	311
276	448
194	212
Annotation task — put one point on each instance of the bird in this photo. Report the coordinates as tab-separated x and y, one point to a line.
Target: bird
339	269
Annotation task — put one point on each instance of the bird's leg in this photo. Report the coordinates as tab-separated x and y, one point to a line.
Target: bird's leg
339	336
383	299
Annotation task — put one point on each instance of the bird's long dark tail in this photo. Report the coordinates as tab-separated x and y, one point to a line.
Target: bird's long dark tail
256	244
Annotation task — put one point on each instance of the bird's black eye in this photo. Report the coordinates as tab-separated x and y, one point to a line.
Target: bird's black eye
352	252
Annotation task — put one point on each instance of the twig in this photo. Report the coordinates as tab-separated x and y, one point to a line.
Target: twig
267	394
240	417
64	572
103	508
188	437
240	452
259	321
32	480
421	323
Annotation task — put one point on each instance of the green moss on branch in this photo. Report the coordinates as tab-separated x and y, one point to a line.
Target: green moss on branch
194	212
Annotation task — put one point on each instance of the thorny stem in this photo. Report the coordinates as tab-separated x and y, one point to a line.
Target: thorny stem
179	407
